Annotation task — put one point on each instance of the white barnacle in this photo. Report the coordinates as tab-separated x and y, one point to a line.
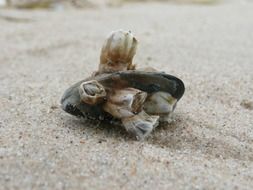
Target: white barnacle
92	92
117	52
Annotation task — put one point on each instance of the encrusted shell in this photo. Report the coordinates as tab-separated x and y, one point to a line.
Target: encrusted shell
148	82
138	99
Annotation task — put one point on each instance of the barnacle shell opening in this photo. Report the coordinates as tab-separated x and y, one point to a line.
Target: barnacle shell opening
117	52
92	92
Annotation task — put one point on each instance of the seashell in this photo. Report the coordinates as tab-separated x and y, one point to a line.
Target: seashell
117	52
149	82
138	84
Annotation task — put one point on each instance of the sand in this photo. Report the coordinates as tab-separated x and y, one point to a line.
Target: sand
209	144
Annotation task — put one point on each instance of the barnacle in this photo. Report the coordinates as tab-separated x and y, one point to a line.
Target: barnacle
91	92
138	99
160	103
117	52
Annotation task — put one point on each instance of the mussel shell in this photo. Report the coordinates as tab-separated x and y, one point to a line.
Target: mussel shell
149	82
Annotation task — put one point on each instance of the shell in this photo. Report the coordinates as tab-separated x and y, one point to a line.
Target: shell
117	52
149	82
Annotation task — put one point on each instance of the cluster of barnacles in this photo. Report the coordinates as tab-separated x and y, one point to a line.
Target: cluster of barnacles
138	98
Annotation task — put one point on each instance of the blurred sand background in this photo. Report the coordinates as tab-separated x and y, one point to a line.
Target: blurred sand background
209	144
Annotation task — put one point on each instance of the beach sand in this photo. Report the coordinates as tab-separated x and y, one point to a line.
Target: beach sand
209	144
